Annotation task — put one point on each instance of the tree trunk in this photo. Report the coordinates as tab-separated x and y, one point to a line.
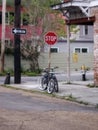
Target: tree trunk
34	65
3	36
2	61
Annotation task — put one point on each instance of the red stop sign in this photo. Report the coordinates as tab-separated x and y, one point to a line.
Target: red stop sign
50	38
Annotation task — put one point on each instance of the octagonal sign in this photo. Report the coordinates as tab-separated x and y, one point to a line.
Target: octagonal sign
50	38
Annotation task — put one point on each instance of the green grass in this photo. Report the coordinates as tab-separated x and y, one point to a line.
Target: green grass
25	73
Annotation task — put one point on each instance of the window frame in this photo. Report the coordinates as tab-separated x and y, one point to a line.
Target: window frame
81	48
54	48
85	30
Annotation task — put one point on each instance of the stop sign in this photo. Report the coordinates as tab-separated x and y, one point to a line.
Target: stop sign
50	38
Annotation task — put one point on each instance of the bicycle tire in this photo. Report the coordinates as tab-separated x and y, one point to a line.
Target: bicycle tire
44	84
56	86
51	86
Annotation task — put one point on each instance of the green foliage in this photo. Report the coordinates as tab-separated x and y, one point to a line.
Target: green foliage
43	2
73	28
41	14
92	85
96	106
11	19
9	70
2	73
23	71
31	73
70	98
9	2
9	51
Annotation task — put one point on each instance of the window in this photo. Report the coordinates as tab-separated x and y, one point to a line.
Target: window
54	50
81	50
85	30
8	43
84	50
25	19
0	17
77	50
9	18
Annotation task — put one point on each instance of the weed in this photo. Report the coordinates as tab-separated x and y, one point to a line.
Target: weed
91	85
70	98
82	102
96	105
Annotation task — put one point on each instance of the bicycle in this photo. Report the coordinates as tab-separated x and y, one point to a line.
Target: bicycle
49	81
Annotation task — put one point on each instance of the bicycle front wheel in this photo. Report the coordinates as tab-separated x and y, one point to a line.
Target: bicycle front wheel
56	86
51	86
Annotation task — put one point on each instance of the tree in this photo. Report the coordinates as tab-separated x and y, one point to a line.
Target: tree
39	14
42	18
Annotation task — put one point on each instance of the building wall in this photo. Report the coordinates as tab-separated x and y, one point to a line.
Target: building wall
60	58
82	32
76	59
62	46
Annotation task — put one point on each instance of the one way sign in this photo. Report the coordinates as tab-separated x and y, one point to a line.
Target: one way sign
18	31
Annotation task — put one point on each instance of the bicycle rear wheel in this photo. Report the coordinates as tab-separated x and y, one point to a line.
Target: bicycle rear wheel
44	84
51	86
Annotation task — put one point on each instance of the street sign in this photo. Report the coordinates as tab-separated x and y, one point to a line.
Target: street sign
18	31
50	38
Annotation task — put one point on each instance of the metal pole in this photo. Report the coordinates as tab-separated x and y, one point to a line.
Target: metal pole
68	53
17	66
49	62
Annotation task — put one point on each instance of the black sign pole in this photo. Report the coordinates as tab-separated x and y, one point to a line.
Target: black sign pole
17	62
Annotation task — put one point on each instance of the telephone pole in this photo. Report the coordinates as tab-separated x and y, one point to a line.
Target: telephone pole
17	55
68	53
3	36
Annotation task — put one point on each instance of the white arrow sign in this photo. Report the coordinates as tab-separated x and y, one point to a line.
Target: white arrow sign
18	31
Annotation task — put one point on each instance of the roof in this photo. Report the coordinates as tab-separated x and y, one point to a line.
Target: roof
77	41
76	10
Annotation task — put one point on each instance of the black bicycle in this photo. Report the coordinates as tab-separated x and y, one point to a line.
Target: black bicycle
49	81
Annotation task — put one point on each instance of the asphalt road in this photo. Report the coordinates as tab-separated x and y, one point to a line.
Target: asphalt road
18	101
20	110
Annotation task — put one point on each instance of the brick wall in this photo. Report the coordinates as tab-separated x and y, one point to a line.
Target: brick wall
94	11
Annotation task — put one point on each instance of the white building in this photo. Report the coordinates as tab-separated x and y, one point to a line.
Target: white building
81	51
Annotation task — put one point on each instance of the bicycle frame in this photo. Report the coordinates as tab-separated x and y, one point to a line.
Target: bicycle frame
47	77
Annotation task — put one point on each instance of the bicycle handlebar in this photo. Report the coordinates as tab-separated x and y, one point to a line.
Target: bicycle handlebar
50	69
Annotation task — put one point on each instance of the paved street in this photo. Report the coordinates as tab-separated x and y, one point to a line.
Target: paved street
17	101
21	110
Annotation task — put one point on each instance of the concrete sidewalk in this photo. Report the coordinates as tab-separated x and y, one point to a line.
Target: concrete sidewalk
77	90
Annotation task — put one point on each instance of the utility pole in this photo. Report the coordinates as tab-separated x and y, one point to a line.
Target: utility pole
3	36
17	62
68	53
